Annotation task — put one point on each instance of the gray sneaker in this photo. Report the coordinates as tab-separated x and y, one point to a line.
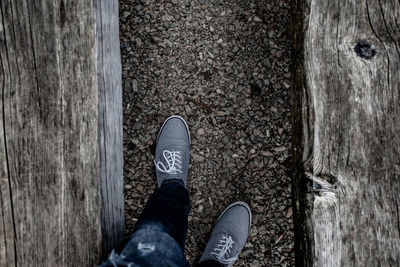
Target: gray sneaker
229	235
173	150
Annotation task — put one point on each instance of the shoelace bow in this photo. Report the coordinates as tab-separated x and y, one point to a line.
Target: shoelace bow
223	249
173	160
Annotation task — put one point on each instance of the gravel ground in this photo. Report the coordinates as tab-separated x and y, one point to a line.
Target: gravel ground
224	67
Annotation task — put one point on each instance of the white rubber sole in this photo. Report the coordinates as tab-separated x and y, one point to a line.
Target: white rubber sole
178	117
239	203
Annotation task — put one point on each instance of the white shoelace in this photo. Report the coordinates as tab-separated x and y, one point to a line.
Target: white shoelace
174	162
223	249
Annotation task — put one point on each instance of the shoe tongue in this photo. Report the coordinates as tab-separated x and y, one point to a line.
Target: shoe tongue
173	180
173	176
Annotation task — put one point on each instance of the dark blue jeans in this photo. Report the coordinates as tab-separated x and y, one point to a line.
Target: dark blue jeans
160	233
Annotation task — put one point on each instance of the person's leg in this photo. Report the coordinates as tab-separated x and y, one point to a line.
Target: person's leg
160	233
228	237
169	207
161	228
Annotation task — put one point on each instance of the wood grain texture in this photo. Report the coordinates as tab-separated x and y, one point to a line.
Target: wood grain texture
58	146
109	74
346	93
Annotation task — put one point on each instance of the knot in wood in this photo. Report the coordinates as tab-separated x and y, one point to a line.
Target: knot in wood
365	50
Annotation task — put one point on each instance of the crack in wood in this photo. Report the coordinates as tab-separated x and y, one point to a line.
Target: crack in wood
325	193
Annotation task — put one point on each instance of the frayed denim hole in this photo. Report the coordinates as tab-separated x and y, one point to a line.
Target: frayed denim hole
114	258
146	248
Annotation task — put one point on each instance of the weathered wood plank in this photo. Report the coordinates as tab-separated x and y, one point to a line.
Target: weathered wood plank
110	118
346	92
60	132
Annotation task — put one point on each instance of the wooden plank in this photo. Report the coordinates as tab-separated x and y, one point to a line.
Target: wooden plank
346	93
53	163
110	120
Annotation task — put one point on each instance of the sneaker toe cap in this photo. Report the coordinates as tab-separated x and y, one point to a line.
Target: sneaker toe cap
175	129
237	218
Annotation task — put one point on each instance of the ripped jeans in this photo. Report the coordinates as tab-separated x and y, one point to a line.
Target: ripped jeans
160	233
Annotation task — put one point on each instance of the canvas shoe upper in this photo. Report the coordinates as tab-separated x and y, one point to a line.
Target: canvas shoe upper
173	150
229	235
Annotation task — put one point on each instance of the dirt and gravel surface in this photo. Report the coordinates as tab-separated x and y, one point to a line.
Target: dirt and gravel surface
224	67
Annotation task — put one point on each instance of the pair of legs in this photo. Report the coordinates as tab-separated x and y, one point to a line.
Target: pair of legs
160	233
